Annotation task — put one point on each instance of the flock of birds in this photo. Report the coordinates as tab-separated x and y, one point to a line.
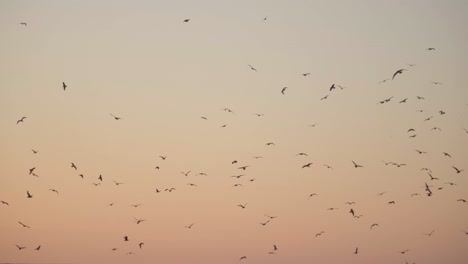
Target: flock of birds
429	188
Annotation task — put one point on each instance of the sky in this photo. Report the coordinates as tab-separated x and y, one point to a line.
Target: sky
208	92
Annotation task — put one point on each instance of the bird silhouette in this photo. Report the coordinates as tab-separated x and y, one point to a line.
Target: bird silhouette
430	234
73	166
20	248
391	202
186	20
21	120
125	238
55	191
117	183
31	170
136	205
64	86
189	226
312	195
24	225
307	165
400	71
115	117
283	90
141	245
34	151
242	206
38	248
243	257
403	101
305	74
185	173
373	225
5	203
252	68
271	217
356	251
264	224
138	221
351	211
169	190
23	24
356	165
456	169
28	194
319	234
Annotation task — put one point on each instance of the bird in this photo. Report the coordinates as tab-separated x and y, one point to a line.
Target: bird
380	194
437	83
21	120
117	183
351	211
328	166
319	234
34	151
283	90
96	184
243	168
271	217
432	178
391	202
115	117
189	226
157	190
311	195
356	251
400	71
275	248
301	154
456	169
20	248
323	98
265	18
373	225
430	234
404	251
64	86
420	98
5	203
414	194
38	248
204	118
307	165
100	177
356	165
403	101
252	68
163	157
421	152
237	176
429	192
170	190
442	112
270	144
383	81
259	115
185	173
125	238
141	244
23	24
313	125
111	204
138	221
242	206
332	87
192	184
24	225
263	224
350	203
186	20
55	191
243	257
238	185
31	170
29	195
135	205
461	200
430	48
332	208
305	74
73	166
411	65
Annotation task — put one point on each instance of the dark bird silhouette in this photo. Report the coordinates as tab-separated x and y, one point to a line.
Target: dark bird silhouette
34	151
252	68
307	165
125	238
21	119
271	217
429	192
373	225
237	176
356	165
242	206
430	234
311	195
404	251
185	173
192	184
138	221
136	205
100	177
38	248
319	234
141	245
20	248
283	90
456	169
29	195
432	178
442	112
55	191
31	170
169	190
64	86
243	257
332	87
305	74
186	20
24	225
157	191
243	168
73	166
204	118
356	251
414	194
23	24
430	48
351	211
391	202
189	226
117	183
420	98
380	194
263	224
301	154
270	144
238	185
383	81
5	203
403	101
115	117
324	98
421	152
461	200
350	203
275	248
163	157
400	71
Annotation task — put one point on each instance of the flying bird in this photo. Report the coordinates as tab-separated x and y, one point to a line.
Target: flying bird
125	238
141	244
55	191
283	90
73	166
64	86
5	203
186	20
263	224
21	119
29	195
189	226
430	48
23	24
252	68
31	171
307	165
271	217
319	234
38	248
34	151
456	169
243	257
185	173
24	225
242	206
356	165
400	71
115	117
20	248
305	74
351	211
373	225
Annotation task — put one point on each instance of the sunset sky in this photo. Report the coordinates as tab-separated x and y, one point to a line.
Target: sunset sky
139	61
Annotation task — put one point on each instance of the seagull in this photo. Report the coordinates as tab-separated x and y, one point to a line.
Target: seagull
169	190
189	226
29	195
307	165
136	205
31	170
356	251
404	251
100	177
23	24
5	203
328	167
332	87
204	118
380	194
238	185
185	173
271	217
243	168
34	151
117	183
141	244
391	202
163	157
20	248
259	115
270	144
252	68
461	200
319	234
275	248
242	206
263	224
157	191
429	193
442	112
283	90
125	238
38	248
323	98
64	86
186	20
311	195
350	203
420	98
55	191
447	155
115	117
403	101
458	170
243	257
373	225
351	211
400	71
301	154
430	48
21	120
138	221
421	152
414	194
305	74
265	18
192	184
313	125
237	176
73	166
430	234
24	225
437	83
356	165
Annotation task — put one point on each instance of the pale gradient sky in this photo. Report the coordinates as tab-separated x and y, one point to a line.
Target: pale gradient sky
139	61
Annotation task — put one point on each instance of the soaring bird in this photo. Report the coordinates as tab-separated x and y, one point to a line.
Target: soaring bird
373	225
307	165
456	169
270	144
186	20
24	225
271	217
138	221
29	195
400	71
242	206
252	68
100	177
404	251
189	226
403	101
263	224
38	248
185	173
73	166
429	192
34	151
64	86
243	168
115	117
283	90
461	200
238	185
125	238
20	248
5	203
391	202
275	248
420	152
163	157
323	98
21	119
356	165
141	244
311	195
430	48
55	191
301	154
332	87
356	251
243	257
319	234
117	183
351	211
305	74
23	24
430	234
31	171
170	190
135	205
